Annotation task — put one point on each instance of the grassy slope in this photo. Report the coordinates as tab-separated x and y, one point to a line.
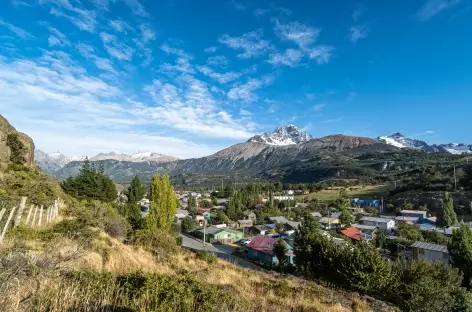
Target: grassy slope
366	192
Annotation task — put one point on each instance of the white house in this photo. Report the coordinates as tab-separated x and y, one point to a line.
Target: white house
284	197
431	252
381	223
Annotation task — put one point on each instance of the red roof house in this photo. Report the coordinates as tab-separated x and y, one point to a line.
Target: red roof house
352	233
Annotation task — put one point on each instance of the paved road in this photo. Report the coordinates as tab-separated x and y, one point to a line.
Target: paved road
221	251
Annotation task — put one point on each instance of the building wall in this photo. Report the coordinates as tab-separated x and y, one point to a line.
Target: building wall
431	255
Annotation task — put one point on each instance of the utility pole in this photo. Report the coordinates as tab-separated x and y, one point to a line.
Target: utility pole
204	233
382	208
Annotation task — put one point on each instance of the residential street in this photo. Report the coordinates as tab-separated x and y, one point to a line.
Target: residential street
221	251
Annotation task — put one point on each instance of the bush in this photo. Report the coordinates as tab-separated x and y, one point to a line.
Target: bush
159	243
206	256
282	288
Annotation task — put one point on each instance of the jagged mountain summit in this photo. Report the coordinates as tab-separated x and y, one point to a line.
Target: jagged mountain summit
287	135
401	141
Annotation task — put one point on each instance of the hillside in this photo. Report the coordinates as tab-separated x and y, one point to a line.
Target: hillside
250	158
6	151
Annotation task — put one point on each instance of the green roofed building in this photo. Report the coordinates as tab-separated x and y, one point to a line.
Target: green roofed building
214	234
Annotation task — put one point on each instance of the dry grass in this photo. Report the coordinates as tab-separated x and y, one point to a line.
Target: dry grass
262	291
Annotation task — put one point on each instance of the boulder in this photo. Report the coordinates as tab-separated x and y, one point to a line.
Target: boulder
5	129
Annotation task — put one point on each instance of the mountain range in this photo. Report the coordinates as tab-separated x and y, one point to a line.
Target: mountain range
287	153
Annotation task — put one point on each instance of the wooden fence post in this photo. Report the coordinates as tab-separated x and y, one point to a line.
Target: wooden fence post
48	213
2	212
6	224
40	215
28	217
20	211
34	216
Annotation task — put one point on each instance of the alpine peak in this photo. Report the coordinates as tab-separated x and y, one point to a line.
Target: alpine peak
285	135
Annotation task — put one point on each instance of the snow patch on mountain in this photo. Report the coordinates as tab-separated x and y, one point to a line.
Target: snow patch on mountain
400	141
137	157
287	135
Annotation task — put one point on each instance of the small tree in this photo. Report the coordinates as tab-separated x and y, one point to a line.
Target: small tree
380	239
460	250
192	203
17	149
280	249
135	191
188	225
346	218
280	228
449	216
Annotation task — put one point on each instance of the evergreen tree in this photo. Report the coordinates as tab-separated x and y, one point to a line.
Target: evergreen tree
135	191
280	249
17	149
188	225
163	205
191	203
449	216
460	250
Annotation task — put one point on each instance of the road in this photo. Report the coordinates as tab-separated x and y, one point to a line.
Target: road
221	251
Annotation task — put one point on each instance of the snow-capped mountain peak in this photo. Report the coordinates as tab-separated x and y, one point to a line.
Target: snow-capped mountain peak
286	135
400	141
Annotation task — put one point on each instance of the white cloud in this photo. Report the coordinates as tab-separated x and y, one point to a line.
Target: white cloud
433	7
182	65
273	105
357	32
251	43
57	37
83	19
290	57
120	25
246	91
244	112
21	33
218	60
211	49
318	107
221	78
179	52
60	106
321	53
116	48
101	63
301	34
260	12
19	3
188	105
136	8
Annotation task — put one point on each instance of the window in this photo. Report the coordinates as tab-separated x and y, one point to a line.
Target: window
421	251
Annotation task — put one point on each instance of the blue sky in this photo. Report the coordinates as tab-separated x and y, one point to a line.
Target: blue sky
187	78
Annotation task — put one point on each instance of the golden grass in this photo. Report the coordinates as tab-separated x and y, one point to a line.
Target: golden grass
365	192
110	255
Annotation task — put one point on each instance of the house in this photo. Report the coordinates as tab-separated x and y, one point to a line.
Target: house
261	248
353	233
288	192
284	197
382	223
199	220
203	212
365	228
431	252
279	219
222	235
181	214
329	223
292	225
316	215
256	230
375	203
405	219
301	192
420	214
249	215
245	224
431	221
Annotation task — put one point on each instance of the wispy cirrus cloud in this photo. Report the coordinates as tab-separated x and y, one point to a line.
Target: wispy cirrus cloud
85	20
305	38
246	92
101	63
358	32
318	107
57	38
120	25
211	50
432	8
251	43
290	57
218	60
19	32
179	52
116	48
220	77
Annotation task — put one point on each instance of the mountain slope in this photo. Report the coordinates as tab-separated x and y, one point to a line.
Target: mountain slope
249	158
287	135
400	141
138	157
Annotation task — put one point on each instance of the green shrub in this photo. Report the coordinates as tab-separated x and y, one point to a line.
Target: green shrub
206	256
282	288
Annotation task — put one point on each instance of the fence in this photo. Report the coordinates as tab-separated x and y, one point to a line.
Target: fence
34	216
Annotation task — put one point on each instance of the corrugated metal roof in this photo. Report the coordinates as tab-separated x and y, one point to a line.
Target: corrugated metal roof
364	227
403	218
430	246
378	220
413	211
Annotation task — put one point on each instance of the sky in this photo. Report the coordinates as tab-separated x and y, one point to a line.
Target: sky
187	78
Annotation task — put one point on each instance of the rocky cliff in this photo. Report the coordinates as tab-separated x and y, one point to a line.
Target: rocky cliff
5	129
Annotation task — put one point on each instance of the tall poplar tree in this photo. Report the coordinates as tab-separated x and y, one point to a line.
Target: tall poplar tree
163	206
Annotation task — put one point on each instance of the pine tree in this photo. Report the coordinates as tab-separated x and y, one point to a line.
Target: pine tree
449	216
17	149
136	190
280	249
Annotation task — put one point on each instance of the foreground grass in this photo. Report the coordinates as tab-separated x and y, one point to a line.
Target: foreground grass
61	275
